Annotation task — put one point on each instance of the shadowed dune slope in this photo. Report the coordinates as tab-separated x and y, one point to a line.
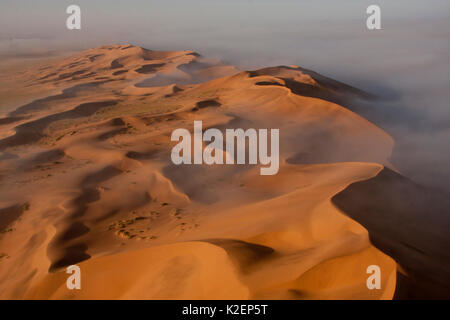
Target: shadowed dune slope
411	224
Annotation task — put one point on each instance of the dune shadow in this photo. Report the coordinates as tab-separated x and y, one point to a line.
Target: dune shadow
149	68
33	131
244	254
206	104
408	222
71	255
325	88
9	120
69	246
41	104
10	214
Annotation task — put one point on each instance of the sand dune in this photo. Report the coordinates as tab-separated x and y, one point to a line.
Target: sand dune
86	179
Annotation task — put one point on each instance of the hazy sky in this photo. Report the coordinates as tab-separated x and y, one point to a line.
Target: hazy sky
408	61
328	35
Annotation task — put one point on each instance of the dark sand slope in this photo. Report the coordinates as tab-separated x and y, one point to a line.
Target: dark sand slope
411	224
